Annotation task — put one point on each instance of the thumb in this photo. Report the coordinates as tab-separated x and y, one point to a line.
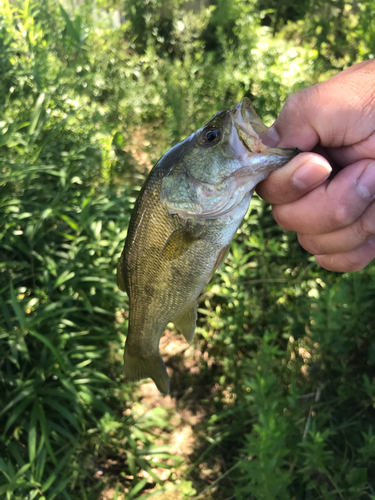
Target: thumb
324	113
294	128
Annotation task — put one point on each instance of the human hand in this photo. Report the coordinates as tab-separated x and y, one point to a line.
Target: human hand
334	217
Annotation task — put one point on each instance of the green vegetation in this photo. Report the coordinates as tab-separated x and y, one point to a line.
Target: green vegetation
286	378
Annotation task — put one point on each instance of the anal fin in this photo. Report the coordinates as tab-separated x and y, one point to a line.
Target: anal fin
186	322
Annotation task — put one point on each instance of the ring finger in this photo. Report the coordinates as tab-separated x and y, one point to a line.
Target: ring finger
348	262
342	240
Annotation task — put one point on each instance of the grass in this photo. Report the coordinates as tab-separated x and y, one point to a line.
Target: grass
276	397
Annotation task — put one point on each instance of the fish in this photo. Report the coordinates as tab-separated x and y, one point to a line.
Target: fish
182	224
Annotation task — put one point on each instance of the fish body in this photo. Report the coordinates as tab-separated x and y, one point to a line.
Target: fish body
182	224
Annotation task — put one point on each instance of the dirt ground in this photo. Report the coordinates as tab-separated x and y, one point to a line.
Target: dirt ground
189	404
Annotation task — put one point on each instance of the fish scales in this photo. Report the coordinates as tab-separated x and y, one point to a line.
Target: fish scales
181	227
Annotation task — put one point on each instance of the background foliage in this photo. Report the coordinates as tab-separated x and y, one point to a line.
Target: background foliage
90	98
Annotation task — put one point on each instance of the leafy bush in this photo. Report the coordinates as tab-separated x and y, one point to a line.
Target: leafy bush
289	349
296	346
62	231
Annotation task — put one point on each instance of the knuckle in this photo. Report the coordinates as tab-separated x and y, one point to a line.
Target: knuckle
352	262
294	101
267	190
281	219
326	261
297	103
291	104
366	227
307	242
342	263
341	216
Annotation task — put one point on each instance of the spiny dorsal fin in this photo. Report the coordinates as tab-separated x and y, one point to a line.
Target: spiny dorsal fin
178	242
185	323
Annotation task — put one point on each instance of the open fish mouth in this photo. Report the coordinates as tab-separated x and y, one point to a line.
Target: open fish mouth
255	161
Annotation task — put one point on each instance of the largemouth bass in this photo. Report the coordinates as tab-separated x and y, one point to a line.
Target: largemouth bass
182	224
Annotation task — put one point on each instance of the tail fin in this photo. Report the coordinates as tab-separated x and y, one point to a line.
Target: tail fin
137	368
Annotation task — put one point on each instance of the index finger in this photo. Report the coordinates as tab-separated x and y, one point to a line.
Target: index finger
299	176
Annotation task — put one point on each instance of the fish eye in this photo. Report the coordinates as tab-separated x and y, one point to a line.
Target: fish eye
211	135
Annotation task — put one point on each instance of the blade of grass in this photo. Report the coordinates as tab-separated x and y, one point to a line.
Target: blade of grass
33	433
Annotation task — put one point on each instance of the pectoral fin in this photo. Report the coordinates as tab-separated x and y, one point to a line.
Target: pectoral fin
178	242
186	322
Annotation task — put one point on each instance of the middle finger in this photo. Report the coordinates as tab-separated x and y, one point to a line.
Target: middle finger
333	205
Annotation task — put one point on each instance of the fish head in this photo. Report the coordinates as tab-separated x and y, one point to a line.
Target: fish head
222	163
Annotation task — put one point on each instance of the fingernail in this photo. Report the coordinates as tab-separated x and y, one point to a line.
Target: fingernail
271	138
366	182
311	174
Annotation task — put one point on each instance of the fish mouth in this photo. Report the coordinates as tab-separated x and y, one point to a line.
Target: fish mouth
257	161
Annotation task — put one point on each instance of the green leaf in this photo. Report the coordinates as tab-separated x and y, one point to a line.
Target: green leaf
40	464
5	487
21	395
70	221
22	470
36	114
51	347
70	28
33	432
17	412
64	276
4	469
45	432
52	478
68	415
137	488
